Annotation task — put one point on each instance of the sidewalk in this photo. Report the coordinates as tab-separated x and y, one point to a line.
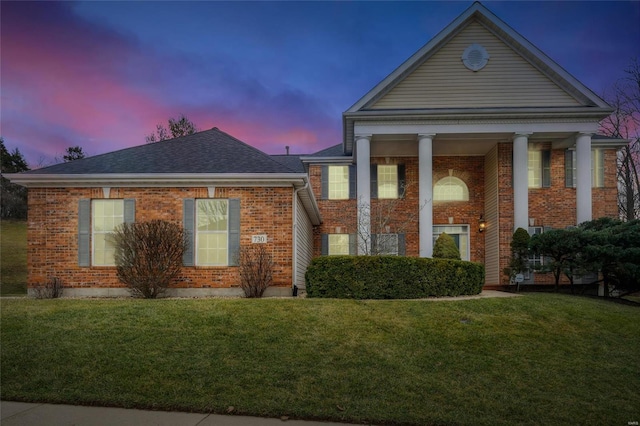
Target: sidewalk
27	414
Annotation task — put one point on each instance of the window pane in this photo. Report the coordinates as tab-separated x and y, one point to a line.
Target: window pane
387	181
338	244
338	182
387	244
212	215
450	188
535	169
212	249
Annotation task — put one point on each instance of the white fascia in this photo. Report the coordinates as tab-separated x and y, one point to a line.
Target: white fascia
45	180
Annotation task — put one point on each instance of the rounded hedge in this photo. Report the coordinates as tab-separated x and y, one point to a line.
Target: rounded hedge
391	277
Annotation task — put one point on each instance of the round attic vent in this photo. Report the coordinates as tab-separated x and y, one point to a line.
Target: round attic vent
475	57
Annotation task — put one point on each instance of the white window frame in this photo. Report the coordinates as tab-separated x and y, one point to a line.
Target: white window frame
443	189
338	182
387	181
103	231
454	229
200	234
338	245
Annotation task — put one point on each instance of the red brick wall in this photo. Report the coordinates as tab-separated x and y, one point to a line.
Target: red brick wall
53	232
555	206
343	213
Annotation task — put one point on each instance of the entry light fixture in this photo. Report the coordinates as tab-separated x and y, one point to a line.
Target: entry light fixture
482	224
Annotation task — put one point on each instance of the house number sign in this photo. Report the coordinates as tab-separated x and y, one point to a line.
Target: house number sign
259	239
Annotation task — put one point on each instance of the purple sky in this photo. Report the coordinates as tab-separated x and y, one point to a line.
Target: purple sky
102	74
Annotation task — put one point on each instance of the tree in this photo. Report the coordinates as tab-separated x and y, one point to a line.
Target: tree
624	123
612	247
559	248
13	198
176	128
519	261
73	153
445	248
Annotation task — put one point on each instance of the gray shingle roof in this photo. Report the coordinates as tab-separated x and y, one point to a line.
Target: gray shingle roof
332	151
291	161
209	151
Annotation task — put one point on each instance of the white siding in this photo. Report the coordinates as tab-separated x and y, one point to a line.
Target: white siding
443	81
304	244
492	217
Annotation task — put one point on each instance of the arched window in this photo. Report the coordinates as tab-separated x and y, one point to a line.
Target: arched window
450	188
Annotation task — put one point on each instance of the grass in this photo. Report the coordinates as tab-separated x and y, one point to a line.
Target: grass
537	359
13	257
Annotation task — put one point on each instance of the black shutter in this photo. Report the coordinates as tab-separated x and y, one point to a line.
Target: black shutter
324	244
374	181
568	169
402	251
353	189
324	179
401	180
353	244
546	169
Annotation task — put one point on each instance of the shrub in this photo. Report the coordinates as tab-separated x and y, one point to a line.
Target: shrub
256	269
391	277
445	248
52	289
519	261
149	256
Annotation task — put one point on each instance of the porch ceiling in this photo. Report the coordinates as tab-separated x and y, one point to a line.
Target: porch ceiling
406	145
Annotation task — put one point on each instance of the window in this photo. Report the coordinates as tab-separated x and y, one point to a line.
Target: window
387	181
106	215
338	244
338	182
534	260
539	168
212	232
597	168
386	244
459	233
450	188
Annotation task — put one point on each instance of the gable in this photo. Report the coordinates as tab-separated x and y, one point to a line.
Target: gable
443	81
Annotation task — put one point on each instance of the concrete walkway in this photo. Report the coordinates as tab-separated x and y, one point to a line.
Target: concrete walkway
27	414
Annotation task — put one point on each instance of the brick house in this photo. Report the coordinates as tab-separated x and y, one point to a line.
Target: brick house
477	134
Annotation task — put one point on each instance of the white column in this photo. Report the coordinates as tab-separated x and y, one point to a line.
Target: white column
363	160
583	178
425	193
520	181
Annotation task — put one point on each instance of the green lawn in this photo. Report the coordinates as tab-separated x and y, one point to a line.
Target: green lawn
537	359
13	257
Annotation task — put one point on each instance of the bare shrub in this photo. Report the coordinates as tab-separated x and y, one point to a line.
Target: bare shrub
52	289
149	256
256	269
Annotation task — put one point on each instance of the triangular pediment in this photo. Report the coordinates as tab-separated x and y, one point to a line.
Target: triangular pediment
506	80
516	74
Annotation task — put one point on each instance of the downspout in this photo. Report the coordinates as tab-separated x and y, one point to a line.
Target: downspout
294	288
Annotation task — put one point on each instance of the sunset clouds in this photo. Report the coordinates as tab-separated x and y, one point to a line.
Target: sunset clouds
102	74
